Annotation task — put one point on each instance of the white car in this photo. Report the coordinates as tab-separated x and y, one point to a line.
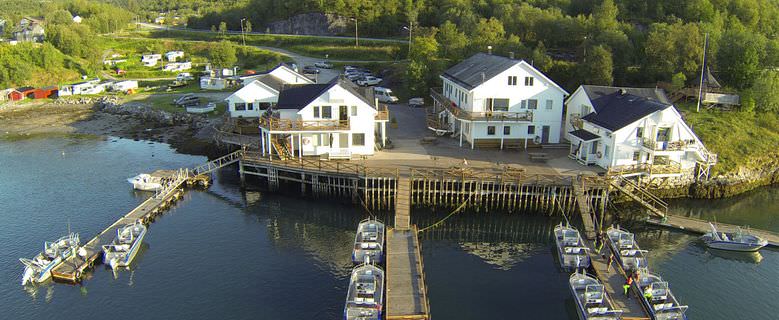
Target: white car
369	81
416	102
384	95
184	76
323	65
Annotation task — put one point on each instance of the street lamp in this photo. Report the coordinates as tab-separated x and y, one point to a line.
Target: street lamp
243	36
356	38
409	28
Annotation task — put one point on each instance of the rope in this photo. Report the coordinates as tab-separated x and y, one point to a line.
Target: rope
365	206
448	216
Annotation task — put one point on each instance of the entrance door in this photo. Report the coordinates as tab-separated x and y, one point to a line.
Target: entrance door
545	134
343	113
343	140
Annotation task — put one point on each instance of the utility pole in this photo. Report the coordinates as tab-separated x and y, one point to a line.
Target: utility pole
243	36
703	70
409	28
356	37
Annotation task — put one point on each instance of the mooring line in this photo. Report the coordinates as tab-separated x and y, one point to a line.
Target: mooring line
450	214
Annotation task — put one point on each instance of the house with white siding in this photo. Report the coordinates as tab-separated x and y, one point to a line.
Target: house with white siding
334	119
493	101
261	91
633	132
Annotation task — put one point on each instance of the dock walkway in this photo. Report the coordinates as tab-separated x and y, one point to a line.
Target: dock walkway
584	208
406	291
612	282
702	226
403	204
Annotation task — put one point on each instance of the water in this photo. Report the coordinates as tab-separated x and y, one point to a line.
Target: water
228	253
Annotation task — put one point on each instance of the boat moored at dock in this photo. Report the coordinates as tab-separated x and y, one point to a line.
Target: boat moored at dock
625	249
145	182
122	251
369	242
658	299
365	297
38	269
592	300
733	241
572	251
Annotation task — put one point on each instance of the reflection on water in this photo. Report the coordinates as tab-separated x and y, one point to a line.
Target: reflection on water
502	255
744	257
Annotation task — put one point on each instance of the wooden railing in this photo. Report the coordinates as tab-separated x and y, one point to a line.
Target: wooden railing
342	167
679	145
655	205
383	114
276	124
478	116
576	121
671	168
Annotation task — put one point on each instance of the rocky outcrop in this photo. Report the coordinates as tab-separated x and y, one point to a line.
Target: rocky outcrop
149	114
764	173
315	24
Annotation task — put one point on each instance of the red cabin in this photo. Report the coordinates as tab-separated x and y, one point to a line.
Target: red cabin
21	93
44	93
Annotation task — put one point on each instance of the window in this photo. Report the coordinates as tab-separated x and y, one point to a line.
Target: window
327	112
266	105
636	155
639	132
499	104
506	130
549	104
532	104
663	134
316	112
249	106
605	150
528	81
512	80
531	129
354	111
524	104
358	139
490	130
240	106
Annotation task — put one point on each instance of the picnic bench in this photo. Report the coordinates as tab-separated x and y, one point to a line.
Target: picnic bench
538	156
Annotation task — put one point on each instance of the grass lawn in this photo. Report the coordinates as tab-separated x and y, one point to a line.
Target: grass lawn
741	139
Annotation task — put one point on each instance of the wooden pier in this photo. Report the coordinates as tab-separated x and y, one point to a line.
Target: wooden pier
699	226
406	291
612	281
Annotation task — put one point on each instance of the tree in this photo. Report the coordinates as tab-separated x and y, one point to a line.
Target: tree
248	26
605	16
422	69
738	57
598	69
766	91
213	28
678	80
223	28
487	33
674	48
453	41
222	54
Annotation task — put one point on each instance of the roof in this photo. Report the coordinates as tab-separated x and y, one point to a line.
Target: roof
595	92
300	96
616	110
272	82
49	88
472	72
25	89
584	135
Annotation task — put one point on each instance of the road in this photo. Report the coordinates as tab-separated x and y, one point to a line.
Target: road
159	27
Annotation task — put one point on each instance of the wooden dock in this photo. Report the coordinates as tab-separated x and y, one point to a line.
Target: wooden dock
406	291
585	210
612	282
699	226
403	204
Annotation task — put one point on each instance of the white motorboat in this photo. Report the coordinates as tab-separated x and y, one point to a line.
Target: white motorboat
592	301
625	249
38	269
572	251
145	182
366	293
658	298
369	242
210	107
733	241
122	251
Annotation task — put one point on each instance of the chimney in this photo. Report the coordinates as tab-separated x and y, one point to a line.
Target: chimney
511	55
489	50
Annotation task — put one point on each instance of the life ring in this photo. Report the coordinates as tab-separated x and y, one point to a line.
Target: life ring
599	154
306	141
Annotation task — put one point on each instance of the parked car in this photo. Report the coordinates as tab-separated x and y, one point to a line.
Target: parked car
184	76
369	81
354	77
416	102
384	95
323	64
310	70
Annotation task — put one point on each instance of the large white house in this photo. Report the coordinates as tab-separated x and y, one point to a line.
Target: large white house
632	132
261	91
489	100
333	119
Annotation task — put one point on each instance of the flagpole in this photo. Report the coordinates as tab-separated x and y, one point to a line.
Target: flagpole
703	69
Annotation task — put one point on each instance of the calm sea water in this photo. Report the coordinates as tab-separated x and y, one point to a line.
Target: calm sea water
229	253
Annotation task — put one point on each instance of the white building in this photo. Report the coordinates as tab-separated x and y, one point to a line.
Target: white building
489	100
77	19
177	66
173	55
124	86
213	83
87	87
632	132
261	91
150	60
333	119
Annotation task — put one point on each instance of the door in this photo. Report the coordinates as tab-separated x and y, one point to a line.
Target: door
343	140
343	113
545	134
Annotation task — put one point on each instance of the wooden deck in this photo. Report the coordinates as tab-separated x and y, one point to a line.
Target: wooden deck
406	291
403	204
699	226
612	282
584	209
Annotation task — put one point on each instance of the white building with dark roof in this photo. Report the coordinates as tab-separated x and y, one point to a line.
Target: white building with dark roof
632	132
488	100
261	91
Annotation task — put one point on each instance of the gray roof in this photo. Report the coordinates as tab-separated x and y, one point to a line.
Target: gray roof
595	92
472	72
271	81
299	96
584	135
616	110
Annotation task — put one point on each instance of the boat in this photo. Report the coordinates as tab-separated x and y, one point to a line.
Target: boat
38	269
366	293
592	301
122	251
657	298
733	241
625	249
145	182
572	251
369	242
210	107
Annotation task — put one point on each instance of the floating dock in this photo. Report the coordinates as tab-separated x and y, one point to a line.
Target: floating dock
406	291
612	281
699	226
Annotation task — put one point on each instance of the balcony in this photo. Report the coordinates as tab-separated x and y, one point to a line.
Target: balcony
383	114
576	121
445	104
277	124
680	145
672	167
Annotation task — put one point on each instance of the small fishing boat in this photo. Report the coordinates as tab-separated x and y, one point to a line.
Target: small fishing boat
733	241
369	242
38	269
366	293
658	298
572	251
125	246
592	301
625	249
145	182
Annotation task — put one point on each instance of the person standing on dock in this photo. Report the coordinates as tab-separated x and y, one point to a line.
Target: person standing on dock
627	284
608	263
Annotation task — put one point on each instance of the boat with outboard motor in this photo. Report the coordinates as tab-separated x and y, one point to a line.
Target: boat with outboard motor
657	297
592	300
145	182
733	241
38	269
572	251
369	242
122	251
625	249
365	297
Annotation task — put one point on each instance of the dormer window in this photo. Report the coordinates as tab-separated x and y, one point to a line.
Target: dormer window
512	80
528	81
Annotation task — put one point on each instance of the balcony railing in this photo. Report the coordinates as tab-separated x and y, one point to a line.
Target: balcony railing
672	167
679	145
576	121
383	114
458	113
277	124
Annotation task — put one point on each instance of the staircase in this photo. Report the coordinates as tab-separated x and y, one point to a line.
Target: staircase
655	205
403	204
282	148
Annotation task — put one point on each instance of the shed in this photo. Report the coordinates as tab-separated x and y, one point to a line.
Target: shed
21	93
45	92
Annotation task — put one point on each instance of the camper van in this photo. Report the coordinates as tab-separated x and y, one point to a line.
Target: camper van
384	95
